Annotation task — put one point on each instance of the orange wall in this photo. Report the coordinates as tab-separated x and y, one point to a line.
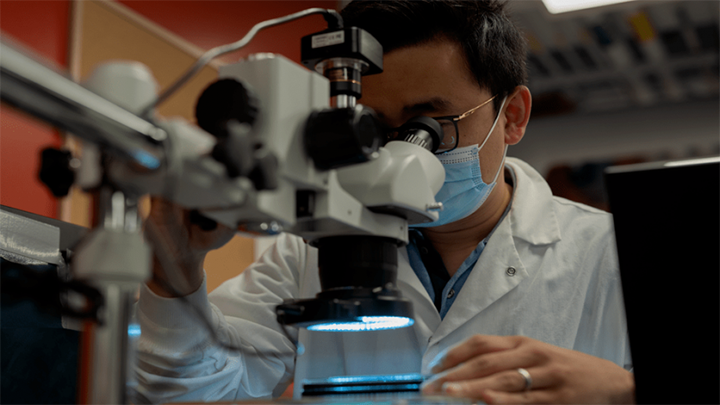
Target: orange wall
43	26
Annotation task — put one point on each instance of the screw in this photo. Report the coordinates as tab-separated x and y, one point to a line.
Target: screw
438	206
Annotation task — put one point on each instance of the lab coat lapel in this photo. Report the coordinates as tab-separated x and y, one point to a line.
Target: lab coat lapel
499	268
490	279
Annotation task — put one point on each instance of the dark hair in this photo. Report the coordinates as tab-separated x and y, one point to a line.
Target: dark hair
493	45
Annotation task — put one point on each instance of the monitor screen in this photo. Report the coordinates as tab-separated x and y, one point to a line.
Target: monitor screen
667	226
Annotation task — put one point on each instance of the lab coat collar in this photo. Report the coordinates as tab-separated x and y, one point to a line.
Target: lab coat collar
532	215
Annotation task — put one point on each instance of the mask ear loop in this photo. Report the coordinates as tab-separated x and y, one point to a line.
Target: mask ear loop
502	164
497	118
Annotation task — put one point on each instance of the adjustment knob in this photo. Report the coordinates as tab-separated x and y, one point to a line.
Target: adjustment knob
56	171
227	110
223	101
343	136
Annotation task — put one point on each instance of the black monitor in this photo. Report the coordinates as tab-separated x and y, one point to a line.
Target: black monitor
667	226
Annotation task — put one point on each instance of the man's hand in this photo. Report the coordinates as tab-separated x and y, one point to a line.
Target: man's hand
486	367
185	245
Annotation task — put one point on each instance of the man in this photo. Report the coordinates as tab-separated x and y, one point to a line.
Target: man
516	293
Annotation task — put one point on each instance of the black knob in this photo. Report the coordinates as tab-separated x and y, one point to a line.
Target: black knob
56	172
227	110
264	175
236	149
343	136
223	101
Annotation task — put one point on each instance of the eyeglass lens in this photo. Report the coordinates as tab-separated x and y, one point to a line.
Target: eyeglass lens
450	136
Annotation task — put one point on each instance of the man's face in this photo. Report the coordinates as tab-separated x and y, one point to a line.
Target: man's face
433	80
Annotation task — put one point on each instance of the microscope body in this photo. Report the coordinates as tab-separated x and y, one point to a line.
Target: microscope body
378	197
350	200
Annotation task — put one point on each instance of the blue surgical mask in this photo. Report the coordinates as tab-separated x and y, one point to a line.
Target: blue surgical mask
464	190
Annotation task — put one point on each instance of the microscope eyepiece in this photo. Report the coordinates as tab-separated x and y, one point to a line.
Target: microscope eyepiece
421	131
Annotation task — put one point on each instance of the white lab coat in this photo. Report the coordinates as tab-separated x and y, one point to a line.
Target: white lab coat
565	291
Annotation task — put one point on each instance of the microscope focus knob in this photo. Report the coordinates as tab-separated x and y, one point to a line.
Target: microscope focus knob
223	101
56	171
342	136
227	110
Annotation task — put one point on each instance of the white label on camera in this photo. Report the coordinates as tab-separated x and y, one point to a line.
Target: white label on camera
333	38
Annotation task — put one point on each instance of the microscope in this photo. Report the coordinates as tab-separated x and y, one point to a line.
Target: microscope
278	147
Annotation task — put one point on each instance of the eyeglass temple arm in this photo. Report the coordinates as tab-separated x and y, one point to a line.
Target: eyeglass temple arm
465	114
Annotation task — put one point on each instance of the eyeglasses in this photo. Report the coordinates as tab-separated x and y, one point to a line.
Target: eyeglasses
449	124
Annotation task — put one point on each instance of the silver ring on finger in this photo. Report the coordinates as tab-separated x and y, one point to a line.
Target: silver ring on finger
526	376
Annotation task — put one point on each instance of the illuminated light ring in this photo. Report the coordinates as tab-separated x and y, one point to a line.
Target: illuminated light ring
369	378
365	323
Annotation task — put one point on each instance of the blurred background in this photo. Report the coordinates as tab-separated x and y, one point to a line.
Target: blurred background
621	83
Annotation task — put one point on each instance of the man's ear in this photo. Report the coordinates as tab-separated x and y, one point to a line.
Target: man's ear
517	114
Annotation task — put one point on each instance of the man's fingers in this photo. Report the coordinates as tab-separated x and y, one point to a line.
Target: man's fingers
554	374
509	380
189	237
472	347
481	366
166	214
505	381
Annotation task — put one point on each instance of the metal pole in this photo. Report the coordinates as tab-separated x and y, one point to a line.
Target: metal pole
115	260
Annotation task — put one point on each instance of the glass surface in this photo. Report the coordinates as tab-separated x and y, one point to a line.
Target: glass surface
449	135
412	398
